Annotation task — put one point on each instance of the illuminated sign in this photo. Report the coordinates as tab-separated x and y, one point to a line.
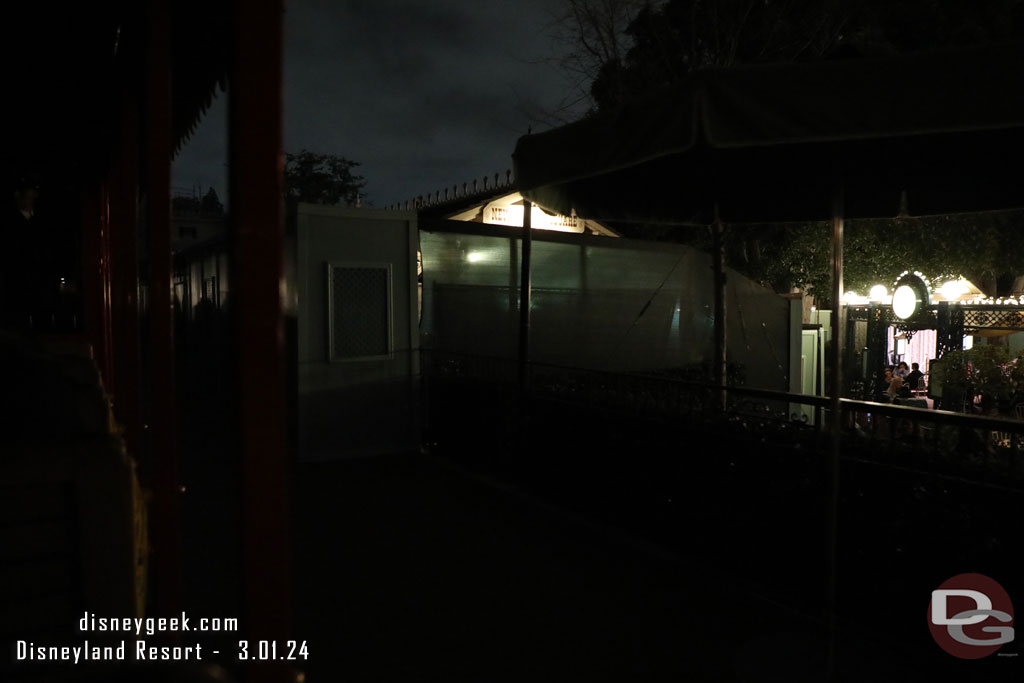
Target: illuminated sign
539	219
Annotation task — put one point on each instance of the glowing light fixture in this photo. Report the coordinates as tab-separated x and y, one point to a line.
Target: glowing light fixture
474	257
952	290
904	302
878	293
910	294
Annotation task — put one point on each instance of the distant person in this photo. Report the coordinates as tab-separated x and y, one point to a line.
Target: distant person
913	378
20	276
895	387
35	283
882	383
902	370
26	192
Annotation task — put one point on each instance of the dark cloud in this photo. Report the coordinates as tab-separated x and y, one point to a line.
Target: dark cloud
424	95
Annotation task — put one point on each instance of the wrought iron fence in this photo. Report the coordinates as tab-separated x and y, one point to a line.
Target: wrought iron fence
987	451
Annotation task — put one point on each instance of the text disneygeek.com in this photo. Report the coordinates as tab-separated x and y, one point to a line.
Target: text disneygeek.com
135	648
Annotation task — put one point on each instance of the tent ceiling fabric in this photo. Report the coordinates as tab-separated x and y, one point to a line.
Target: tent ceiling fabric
769	142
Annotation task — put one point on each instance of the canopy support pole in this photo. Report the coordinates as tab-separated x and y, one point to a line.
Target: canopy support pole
524	295
719	371
513	283
835	427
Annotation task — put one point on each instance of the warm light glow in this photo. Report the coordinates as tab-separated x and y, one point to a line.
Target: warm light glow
952	290
904	302
851	298
878	293
474	257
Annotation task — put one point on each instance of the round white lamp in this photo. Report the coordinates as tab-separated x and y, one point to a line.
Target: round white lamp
904	302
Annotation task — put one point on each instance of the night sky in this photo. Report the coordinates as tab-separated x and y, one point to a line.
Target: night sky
425	95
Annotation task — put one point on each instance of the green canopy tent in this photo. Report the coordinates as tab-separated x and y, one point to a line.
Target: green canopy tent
937	133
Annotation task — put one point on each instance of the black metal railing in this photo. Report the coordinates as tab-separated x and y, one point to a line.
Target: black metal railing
986	450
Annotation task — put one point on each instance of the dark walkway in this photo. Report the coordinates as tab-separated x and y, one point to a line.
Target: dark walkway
408	570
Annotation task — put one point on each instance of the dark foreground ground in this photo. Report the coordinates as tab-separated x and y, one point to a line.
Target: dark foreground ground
408	569
412	568
624	551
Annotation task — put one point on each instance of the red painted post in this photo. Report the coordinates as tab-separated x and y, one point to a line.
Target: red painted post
124	279
257	231
96	276
108	305
162	418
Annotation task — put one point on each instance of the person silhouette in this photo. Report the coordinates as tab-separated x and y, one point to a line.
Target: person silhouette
914	377
37	281
20	280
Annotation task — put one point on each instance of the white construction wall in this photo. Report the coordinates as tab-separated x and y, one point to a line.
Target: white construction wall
356	302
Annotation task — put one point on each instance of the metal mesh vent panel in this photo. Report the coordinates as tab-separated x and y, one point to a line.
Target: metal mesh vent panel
360	315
